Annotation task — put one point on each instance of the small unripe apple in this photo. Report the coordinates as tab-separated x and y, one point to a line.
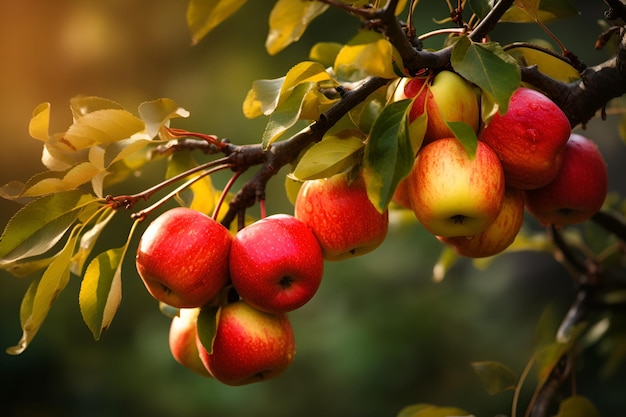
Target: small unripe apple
249	346
341	216
529	139
276	263
453	195
182	258
182	340
579	189
446	97
499	235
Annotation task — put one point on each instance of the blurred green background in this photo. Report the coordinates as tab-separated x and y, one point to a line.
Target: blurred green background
379	335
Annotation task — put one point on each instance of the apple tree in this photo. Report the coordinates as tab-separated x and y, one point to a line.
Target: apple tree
473	138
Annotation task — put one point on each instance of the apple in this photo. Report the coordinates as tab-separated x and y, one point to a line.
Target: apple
182	258
444	97
499	235
453	195
529	139
341	216
182	340
579	189
249	345
276	263
401	196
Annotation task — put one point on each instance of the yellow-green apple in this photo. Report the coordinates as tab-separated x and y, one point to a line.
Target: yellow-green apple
529	139
446	97
182	340
499	235
579	189
401	196
249	345
182	257
341	216
453	195
276	263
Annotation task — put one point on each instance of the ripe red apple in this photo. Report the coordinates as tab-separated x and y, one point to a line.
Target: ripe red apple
276	264
529	139
341	216
182	340
444	97
249	346
579	189
499	235
182	258
453	195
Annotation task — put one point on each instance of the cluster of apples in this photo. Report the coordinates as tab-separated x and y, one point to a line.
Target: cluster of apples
253	278
525	159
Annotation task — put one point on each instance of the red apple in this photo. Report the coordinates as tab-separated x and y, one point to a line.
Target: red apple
499	235
182	258
276	264
249	346
579	189
182	340
529	139
401	196
453	195
446	97
340	214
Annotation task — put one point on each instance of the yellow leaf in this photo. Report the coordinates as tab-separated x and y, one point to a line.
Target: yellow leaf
40	122
204	15
288	21
368	53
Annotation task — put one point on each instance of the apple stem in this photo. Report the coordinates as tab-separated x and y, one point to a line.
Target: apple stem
262	208
176	133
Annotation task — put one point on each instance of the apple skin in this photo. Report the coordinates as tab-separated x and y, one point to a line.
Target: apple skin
182	258
276	264
579	189
448	97
499	235
452	195
182	340
249	346
401	196
341	216
529	139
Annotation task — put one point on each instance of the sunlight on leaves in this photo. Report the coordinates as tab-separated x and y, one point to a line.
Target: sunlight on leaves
325	52
40	122
205	15
333	155
288	21
82	105
158	113
367	54
546	63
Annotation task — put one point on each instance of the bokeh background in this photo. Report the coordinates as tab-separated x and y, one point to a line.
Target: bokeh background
378	336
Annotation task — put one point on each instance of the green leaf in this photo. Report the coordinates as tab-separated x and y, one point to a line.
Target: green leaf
330	156
466	135
158	113
495	376
481	7
204	15
288	21
38	301
489	67
430	410
263	97
389	154
325	52
577	406
208	320
546	11
38	226
286	114
101	290
89	238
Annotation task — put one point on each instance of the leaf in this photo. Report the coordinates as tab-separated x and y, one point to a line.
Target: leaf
330	156
481	7
36	306
489	67
204	15
546	11
547	64
325	52
40	122
89	238
389	153
262	98
368	53
495	376
577	406
39	225
430	410
466	135
82	105
101	290
158	113
288	21
208	320
200	196
102	127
